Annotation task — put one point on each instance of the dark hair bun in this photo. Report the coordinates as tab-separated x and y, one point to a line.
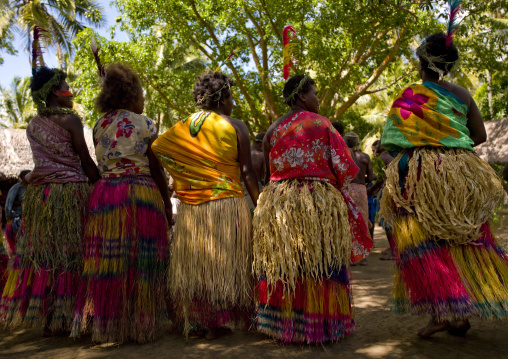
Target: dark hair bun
210	88
433	52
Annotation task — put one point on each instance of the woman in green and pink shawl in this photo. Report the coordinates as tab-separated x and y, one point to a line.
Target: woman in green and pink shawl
439	196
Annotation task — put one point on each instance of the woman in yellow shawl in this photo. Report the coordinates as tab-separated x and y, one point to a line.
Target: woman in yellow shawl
207	154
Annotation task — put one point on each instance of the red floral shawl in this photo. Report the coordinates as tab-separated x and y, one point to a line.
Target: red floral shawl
306	146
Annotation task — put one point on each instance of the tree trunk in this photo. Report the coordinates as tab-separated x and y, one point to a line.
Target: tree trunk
489	95
60	56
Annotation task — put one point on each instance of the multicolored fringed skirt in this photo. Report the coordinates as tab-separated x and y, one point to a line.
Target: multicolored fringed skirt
302	249
449	263
122	292
210	274
42	281
10	236
4	261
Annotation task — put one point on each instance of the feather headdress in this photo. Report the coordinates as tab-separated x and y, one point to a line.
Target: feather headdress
37	59
288	34
231	54
95	51
452	20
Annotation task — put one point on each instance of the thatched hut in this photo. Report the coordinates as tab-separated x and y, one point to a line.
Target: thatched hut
495	150
15	153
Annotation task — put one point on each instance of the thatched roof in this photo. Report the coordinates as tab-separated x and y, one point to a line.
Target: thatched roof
16	155
495	150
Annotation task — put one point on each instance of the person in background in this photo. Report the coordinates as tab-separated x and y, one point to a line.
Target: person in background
339	127
365	175
385	158
258	162
258	158
13	210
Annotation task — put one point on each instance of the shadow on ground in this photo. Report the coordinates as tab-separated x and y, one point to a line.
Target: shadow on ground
380	334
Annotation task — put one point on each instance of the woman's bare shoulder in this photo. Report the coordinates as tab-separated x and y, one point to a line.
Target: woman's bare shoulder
460	92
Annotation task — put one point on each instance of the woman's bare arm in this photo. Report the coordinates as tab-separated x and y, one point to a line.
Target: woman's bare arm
75	128
160	180
244	157
475	124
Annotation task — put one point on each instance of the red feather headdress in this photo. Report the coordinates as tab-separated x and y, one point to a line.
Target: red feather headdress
288	34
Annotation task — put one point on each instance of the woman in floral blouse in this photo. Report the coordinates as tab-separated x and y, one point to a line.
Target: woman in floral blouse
126	252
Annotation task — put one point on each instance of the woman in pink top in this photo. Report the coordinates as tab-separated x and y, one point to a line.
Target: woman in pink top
41	287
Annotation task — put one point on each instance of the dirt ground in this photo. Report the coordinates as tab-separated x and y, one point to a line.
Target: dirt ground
380	333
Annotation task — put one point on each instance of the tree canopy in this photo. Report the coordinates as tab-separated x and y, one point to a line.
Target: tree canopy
360	53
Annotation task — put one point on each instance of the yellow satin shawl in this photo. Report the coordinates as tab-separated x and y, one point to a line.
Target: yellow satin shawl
201	155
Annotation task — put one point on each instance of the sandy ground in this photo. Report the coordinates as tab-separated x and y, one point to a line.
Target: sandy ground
380	333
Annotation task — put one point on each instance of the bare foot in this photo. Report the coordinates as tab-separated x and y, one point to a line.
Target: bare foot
459	327
387	256
434	327
215	333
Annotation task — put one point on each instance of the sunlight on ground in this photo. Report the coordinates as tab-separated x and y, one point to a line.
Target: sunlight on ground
371	301
386	349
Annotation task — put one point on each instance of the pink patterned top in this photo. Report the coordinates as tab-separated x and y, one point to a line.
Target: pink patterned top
54	156
306	146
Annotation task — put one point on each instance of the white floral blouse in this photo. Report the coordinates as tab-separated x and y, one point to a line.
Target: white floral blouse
121	140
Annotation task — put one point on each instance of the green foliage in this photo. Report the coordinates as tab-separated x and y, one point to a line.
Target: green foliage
499	97
347	46
164	70
378	168
17	104
354	122
61	19
361	53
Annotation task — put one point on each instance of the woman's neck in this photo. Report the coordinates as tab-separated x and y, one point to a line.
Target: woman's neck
296	108
427	78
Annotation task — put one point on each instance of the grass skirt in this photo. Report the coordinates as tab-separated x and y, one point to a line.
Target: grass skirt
42	280
448	276
125	261
210	273
302	248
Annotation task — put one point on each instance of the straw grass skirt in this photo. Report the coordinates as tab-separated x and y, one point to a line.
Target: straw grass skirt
42	283
123	289
302	249
210	272
449	263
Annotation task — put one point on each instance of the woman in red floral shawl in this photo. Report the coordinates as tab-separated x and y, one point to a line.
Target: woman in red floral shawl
306	227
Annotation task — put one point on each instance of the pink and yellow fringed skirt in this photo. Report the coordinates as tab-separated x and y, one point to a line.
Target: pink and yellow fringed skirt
122	292
449	263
